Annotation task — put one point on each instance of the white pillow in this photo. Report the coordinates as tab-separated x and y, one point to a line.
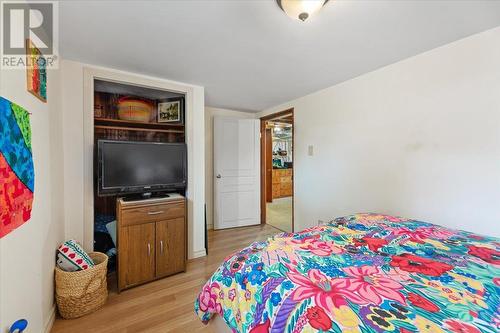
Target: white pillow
72	257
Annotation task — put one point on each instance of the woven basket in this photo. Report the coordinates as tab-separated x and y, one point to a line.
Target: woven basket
82	292
134	109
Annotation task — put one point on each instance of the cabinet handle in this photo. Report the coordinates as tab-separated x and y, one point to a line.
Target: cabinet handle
149	249
155	213
161	247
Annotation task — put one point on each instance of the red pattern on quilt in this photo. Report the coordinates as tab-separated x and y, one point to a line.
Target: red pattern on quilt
15	199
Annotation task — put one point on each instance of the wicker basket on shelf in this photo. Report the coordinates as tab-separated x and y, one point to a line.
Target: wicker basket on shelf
82	292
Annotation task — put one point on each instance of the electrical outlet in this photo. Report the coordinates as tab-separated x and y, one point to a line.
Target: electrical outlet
310	150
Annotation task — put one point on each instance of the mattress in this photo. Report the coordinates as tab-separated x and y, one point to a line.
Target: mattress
361	273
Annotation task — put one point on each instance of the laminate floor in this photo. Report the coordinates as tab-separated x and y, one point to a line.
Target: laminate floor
165	305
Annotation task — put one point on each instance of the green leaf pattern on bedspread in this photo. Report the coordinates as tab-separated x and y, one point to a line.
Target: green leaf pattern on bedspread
365	273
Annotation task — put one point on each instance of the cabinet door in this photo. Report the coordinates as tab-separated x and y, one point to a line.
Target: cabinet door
137	254
276	191
170	247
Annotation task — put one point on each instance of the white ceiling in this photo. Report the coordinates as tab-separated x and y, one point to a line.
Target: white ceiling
248	54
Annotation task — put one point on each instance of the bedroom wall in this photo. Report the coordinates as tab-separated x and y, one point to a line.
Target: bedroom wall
27	254
210	113
419	138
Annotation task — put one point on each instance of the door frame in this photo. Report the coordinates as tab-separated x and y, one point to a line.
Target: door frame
263	183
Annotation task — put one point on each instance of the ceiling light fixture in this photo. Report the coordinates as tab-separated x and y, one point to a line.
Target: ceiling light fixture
301	9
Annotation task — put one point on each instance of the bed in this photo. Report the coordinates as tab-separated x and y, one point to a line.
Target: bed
360	273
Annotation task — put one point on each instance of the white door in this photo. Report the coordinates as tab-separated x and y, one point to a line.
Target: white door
236	172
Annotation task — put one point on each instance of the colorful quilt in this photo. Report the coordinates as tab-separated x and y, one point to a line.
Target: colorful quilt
17	178
361	273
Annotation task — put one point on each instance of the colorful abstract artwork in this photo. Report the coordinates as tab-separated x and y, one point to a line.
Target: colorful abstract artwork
365	273
17	179
36	71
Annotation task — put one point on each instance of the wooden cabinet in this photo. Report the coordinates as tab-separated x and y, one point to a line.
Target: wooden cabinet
151	239
170	246
136	245
282	183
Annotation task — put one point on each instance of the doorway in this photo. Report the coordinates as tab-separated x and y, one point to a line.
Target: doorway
277	169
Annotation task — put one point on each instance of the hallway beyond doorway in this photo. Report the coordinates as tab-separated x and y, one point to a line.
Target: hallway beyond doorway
279	214
277	169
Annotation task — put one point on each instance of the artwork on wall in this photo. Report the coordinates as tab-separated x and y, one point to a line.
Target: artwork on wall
17	179
171	111
36	71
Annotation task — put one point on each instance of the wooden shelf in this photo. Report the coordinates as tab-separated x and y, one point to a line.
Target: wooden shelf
137	124
139	129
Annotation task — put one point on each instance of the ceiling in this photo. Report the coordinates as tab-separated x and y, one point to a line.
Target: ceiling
248	54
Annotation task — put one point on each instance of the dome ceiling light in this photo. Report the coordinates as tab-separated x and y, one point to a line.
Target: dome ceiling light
301	9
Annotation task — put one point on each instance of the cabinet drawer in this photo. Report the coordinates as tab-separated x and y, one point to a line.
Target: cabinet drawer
276	178
138	215
276	191
286	189
286	179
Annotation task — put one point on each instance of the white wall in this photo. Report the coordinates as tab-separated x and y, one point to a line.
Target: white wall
210	113
77	140
27	254
72	132
419	138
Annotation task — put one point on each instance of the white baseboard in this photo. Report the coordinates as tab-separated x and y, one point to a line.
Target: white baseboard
198	254
50	321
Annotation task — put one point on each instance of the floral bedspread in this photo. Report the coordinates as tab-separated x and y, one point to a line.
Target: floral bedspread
361	273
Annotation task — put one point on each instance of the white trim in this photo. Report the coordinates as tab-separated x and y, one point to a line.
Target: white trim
50	320
194	121
198	254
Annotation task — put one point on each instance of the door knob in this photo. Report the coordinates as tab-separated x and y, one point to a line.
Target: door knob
219	176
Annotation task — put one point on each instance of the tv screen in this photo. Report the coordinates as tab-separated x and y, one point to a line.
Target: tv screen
138	167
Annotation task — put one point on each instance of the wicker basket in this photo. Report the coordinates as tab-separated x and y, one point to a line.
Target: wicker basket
133	109
82	292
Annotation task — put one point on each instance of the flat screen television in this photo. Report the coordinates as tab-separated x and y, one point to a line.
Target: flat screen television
127	167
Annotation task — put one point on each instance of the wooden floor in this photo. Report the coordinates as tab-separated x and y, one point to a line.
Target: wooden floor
165	305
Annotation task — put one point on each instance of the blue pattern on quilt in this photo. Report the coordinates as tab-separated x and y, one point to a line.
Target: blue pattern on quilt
13	147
